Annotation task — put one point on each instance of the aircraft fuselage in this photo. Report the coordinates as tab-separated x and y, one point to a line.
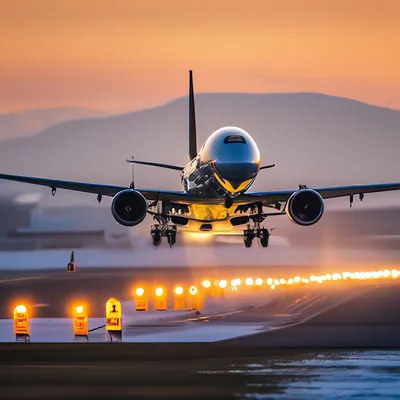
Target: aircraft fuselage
226	165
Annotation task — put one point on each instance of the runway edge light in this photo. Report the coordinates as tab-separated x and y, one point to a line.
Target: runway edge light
80	323
160	301
141	299
114	320
179	298
21	324
195	299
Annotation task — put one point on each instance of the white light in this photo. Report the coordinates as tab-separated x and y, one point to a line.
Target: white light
20	309
259	281
206	283
179	290
270	281
193	290
139	292
249	281
223	284
159	291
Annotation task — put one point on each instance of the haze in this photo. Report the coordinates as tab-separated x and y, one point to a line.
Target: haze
123	54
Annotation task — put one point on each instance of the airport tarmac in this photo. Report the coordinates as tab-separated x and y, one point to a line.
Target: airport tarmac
244	314
241	341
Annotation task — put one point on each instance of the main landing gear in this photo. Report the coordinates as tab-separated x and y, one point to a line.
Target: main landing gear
261	233
159	231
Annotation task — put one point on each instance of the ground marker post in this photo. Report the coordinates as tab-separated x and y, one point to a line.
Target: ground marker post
114	320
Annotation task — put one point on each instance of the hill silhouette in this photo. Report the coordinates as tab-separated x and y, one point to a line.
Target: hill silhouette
313	138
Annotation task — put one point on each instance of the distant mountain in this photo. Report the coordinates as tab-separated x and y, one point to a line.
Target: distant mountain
24	123
314	139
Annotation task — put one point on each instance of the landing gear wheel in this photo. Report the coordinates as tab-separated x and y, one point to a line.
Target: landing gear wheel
248	241
248	237
264	237
156	234
171	239
171	235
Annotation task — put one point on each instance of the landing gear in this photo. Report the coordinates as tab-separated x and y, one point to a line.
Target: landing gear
261	233
158	231
171	235
248	237
156	235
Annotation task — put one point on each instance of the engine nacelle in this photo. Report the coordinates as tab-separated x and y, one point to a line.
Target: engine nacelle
305	207
129	207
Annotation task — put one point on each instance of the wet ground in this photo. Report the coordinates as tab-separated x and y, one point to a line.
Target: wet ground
196	371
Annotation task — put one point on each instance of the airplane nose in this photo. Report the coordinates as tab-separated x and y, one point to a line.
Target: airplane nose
236	173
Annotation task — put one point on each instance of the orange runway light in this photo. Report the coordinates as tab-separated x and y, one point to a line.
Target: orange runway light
209	288
141	299
21	323
195	299
160	302
249	281
80	322
179	298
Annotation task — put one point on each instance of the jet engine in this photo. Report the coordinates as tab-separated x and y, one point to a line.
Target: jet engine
129	207
305	207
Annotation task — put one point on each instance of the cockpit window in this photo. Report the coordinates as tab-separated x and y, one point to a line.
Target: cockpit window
235	139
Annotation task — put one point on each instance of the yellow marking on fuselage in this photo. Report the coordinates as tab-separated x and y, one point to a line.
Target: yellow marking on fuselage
228	186
208	212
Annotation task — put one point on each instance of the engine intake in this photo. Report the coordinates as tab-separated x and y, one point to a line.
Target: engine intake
305	207
129	207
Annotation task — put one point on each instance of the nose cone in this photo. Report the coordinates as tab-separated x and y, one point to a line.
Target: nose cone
237	175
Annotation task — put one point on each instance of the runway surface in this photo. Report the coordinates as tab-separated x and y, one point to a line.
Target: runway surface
247	317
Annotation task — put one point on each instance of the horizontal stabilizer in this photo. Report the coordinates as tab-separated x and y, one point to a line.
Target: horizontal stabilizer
267	166
168	166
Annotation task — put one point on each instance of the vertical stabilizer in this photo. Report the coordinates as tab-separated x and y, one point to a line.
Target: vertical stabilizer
72	257
192	120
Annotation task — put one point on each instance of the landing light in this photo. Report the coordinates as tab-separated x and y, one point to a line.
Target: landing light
270	281
259	281
159	292
297	279
139	292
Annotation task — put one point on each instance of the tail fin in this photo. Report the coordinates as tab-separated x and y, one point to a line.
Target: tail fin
72	257
192	120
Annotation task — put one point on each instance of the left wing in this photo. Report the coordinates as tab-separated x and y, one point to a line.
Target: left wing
326	192
108	190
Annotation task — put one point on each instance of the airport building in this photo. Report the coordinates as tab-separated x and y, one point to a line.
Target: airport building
25	226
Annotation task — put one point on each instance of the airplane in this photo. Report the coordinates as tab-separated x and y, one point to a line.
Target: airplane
215	195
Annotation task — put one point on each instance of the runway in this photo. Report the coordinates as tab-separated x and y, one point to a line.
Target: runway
245	345
245	317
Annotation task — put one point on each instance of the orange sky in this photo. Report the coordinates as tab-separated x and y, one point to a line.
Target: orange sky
128	54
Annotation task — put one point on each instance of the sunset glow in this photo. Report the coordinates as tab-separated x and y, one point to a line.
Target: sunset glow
125	55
